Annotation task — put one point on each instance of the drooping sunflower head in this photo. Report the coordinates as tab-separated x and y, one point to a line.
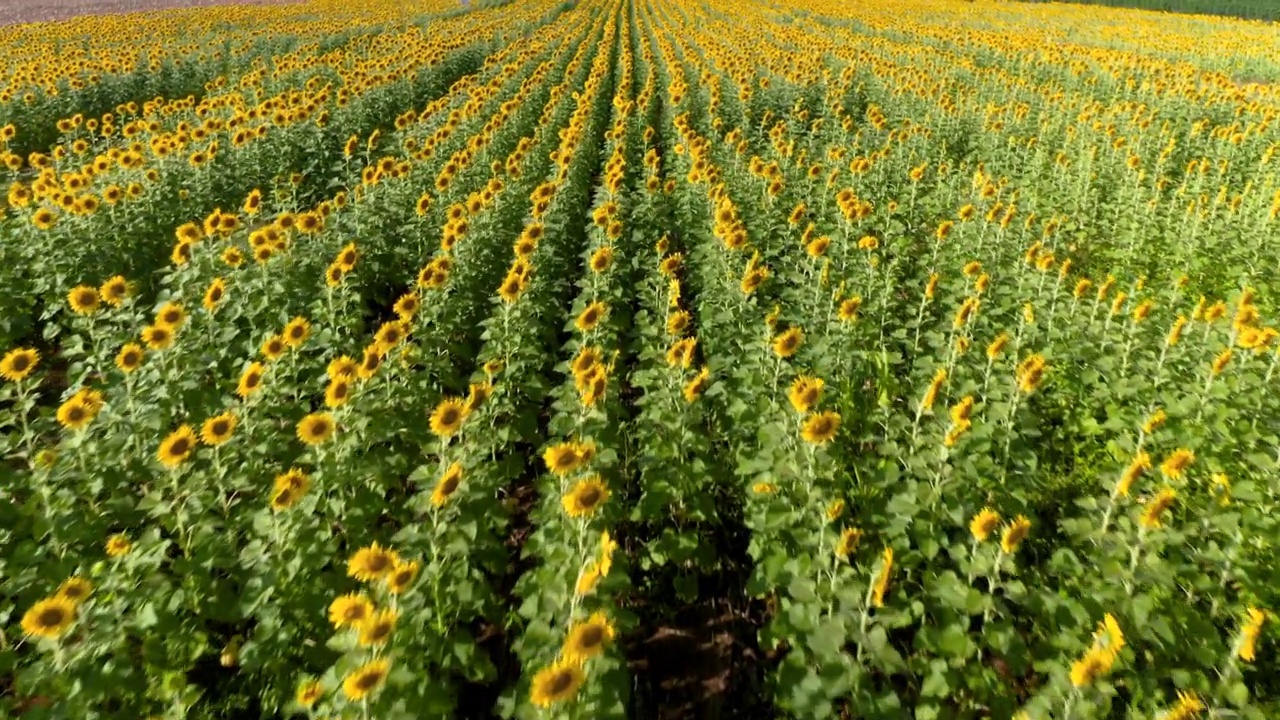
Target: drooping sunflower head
18	363
447	485
556	683
371	563
316	428
446	419
177	447
49	618
585	497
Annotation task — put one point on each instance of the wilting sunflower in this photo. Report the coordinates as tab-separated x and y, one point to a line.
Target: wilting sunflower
114	291
75	589
786	343
556	683
218	429
402	576
177	447
821	427
157	337
18	363
84	300
447	485
349	610
446	419
588	638
316	428
377	628
117	546
591	316
365	679
49	618
371	563
250	380
296	332
171	315
585	497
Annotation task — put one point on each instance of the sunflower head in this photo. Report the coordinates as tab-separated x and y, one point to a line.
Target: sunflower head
585	498
218	429
557	683
75	589
366	679
118	545
447	485
250	380
371	563
787	342
296	332
349	610
588	638
402	576
177	447
84	300
18	363
820	428
562	458
309	693
114	291
446	419
316	428
157	337
49	618
377	628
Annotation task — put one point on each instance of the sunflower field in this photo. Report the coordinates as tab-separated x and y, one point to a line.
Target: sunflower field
640	359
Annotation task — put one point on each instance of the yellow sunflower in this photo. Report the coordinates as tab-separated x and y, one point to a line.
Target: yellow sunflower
337	392
218	429
402	576
591	316
118	545
446	419
84	300
588	639
250	380
49	618
349	610
76	413
316	428
114	291
556	683
371	563
342	366
171	315
821	427
273	348
296	332
309	693
805	393
214	295
377	628
157	337
288	489
75	589
177	447
562	458
786	343
365	679
18	363
447	485
130	357
585	497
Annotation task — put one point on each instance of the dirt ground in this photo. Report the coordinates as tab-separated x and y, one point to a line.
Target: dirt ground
21	11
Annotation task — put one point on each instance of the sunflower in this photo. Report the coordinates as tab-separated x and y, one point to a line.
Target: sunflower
585	497
377	628
273	348
18	363
177	447
337	392
389	335
365	679
76	413
371	563
288	489
84	300
556	683
309	693
49	618
171	315
157	337
848	542
786	343
1014	534
680	354
588	357
343	366
75	589
591	316
407	306
805	393
44	219
821	427
296	332
695	387
114	291
370	361
214	295
562	459
118	545
446	419
253	202
588	579
601	259
588	638
447	485
233	257
849	307
477	393
250	380
316	428
349	610
218	429
402	576
181	254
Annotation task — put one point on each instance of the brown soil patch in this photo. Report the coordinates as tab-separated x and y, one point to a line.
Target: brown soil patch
25	11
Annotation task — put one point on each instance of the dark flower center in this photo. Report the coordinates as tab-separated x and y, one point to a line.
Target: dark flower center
52	617
592	636
180	446
560	682
589	496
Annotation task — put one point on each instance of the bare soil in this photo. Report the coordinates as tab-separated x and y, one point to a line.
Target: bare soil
25	11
